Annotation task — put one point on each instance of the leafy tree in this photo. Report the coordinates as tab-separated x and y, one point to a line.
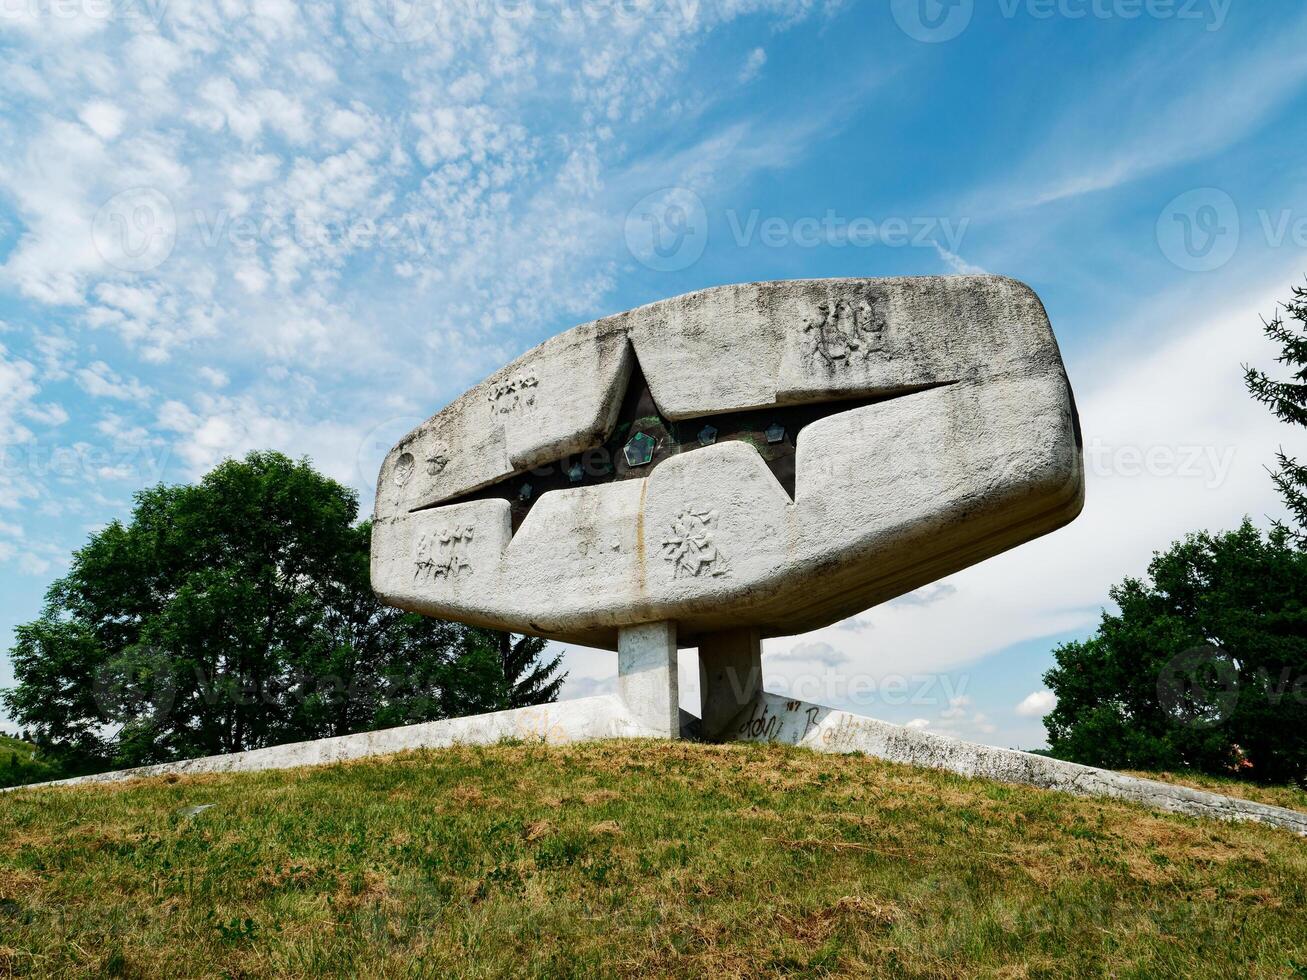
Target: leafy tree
1204	666
238	613
1288	400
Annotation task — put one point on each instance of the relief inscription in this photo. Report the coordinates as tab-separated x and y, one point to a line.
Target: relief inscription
442	554
514	394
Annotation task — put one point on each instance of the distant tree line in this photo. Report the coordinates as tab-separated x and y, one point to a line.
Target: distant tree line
237	613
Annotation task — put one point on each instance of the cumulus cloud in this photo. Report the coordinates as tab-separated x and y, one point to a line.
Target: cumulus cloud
17	391
957	707
927	595
101	381
103	117
1036	704
810	653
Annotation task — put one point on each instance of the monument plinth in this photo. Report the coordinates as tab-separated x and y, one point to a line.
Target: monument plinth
736	463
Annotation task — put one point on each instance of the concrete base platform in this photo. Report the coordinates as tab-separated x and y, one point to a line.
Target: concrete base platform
583	720
772	718
769	718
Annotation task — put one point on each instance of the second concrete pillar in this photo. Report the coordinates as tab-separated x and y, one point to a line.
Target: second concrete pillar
730	676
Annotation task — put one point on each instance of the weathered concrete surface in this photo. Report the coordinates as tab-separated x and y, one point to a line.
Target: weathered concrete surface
647	681
730	677
583	720
972	449
772	718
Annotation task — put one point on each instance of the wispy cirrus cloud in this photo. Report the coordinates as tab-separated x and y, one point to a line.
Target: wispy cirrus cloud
1165	105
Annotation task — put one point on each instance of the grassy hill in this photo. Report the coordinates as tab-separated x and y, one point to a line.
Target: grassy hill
627	858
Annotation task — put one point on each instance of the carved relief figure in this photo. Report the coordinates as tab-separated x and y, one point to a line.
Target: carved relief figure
690	546
843	332
438	460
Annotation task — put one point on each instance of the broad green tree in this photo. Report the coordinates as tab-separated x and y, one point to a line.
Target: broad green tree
1204	666
237	613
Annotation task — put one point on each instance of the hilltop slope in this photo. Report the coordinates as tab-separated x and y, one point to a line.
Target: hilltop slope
633	857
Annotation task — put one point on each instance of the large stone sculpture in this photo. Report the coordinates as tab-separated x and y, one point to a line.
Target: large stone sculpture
737	463
741	462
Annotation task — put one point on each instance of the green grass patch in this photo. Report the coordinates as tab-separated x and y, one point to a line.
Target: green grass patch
18	763
633	858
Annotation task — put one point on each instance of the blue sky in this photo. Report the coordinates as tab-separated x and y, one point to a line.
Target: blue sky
228	225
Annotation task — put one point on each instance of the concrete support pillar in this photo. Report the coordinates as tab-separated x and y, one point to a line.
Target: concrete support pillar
730	676
646	676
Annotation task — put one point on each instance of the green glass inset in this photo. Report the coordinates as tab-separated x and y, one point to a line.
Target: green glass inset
639	450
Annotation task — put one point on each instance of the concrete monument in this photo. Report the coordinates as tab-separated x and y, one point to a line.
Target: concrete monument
737	463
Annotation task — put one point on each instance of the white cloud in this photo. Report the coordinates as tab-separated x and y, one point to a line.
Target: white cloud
957	707
957	264
258	168
927	595
213	377
104	118
47	413
219	427
1198	104
752	66
1036	704
810	653
123	434
101	381
17	389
